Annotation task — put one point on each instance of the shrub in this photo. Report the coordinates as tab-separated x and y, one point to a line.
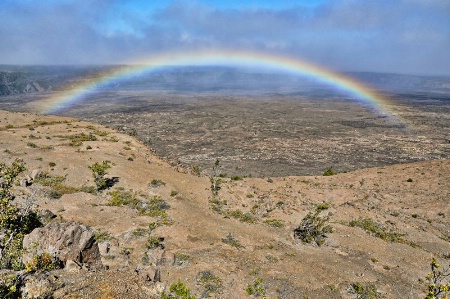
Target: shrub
155	183
365	291
257	288
178	290
313	228
329	172
9	286
196	170
217	205
98	173
232	241
42	261
154	242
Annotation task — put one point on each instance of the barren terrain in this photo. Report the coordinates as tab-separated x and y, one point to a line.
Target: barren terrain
244	236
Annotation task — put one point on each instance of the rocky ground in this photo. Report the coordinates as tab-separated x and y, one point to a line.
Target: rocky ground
159	224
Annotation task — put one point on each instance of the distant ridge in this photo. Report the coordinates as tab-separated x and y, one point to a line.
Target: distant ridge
36	79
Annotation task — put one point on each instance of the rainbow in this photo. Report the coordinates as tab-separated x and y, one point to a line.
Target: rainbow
71	95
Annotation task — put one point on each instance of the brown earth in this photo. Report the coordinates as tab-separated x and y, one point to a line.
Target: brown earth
411	199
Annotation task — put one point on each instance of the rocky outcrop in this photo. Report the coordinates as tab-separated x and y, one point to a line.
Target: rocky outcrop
64	241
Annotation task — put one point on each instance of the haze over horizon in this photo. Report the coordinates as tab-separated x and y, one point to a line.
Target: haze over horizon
411	37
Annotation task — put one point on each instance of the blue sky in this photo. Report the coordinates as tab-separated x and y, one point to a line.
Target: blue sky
402	36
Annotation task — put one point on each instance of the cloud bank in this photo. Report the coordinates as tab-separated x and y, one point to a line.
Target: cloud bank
409	36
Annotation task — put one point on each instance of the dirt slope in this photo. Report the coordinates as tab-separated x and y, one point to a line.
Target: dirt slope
411	199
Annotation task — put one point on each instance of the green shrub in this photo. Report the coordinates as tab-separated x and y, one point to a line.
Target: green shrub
236	178
99	171
155	242
256	288
323	206
42	261
365	291
329	172
178	290
313	228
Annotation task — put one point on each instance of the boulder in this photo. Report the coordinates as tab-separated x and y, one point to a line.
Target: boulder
64	241
39	285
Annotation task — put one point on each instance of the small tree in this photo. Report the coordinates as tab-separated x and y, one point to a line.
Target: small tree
98	173
438	285
215	179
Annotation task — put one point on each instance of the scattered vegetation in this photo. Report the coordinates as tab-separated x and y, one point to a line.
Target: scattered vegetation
243	217
32	145
365	291
180	258
274	223
9	286
313	228
78	139
15	223
211	283
232	241
236	178
58	189
154	206
217	205
378	230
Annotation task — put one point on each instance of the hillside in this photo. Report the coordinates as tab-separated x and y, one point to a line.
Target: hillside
238	242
